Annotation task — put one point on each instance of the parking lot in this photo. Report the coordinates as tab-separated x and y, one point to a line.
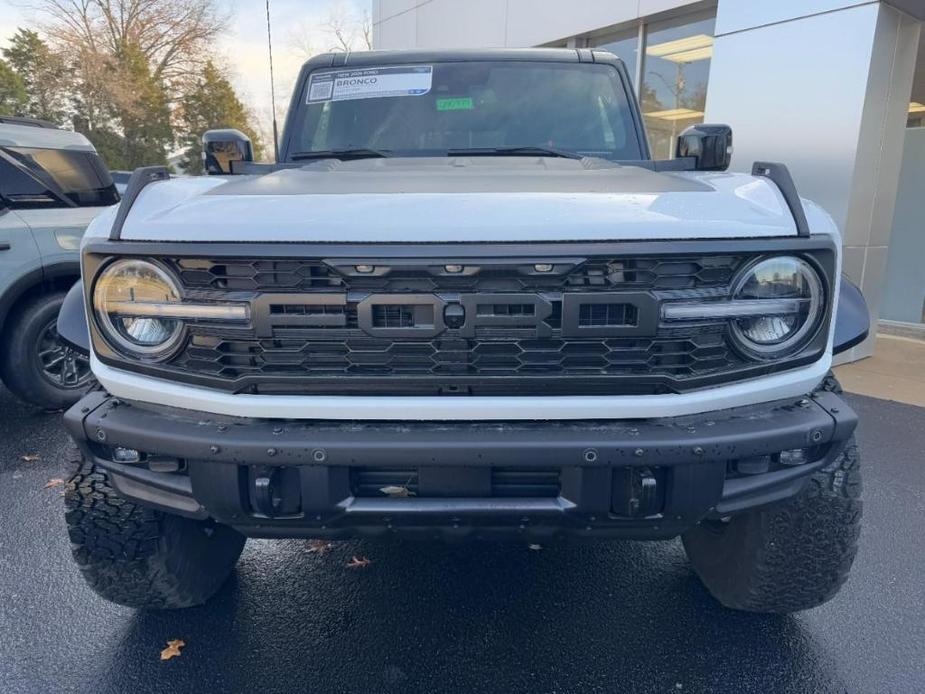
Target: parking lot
432	618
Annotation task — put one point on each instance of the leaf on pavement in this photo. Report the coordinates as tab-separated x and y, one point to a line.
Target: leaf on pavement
535	548
173	649
31	457
319	546
358	563
54	482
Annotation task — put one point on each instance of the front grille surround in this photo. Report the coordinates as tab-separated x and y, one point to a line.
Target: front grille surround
310	331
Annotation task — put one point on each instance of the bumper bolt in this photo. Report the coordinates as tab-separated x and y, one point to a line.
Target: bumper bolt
271	452
698	450
590	455
319	456
639	452
214	449
816	436
100	435
222	427
277	430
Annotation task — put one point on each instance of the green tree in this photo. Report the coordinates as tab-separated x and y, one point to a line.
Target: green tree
211	103
12	91
43	73
143	111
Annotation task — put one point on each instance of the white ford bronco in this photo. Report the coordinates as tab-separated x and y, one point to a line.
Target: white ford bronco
465	303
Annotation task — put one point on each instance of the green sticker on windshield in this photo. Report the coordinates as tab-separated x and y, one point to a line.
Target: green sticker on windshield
456	103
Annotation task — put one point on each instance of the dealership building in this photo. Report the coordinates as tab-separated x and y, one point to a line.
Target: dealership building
833	88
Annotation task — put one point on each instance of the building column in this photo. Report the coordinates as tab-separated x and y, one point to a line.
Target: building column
826	91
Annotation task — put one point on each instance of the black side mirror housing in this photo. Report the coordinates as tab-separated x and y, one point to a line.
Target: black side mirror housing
710	146
222	147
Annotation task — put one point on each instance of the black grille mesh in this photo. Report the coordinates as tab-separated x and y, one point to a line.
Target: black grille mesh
341	351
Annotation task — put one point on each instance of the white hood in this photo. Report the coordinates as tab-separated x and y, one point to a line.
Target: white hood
460	199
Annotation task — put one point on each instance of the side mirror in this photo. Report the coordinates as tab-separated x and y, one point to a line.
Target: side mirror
221	147
710	146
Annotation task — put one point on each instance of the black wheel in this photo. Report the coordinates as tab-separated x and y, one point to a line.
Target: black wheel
785	557
139	557
40	367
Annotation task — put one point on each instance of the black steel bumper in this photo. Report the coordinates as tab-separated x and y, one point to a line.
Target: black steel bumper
643	479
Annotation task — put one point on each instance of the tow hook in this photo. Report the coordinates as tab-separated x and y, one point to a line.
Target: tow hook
267	497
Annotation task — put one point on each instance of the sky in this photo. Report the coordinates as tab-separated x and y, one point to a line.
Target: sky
297	25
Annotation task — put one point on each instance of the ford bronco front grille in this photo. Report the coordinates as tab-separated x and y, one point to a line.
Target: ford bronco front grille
549	319
463	328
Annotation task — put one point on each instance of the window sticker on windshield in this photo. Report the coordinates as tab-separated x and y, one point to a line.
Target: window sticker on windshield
370	83
455	103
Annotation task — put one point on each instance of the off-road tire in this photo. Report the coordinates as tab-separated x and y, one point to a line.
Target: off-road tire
21	368
789	556
136	556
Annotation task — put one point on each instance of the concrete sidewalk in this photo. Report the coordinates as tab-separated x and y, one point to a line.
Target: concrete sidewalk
896	371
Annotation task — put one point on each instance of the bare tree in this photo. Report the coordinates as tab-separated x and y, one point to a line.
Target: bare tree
341	28
174	36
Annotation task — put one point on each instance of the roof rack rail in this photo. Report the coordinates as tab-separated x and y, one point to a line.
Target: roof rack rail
32	122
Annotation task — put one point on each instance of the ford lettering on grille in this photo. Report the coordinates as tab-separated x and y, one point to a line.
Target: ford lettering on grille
617	314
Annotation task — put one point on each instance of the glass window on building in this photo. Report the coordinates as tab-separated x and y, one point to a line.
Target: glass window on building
623	44
916	115
675	75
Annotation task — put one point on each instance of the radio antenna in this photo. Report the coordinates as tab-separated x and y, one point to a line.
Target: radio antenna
272	88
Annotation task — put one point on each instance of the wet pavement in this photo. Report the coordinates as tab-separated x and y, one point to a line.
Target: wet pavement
425	617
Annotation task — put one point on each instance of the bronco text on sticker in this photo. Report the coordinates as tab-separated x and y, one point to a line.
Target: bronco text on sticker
370	83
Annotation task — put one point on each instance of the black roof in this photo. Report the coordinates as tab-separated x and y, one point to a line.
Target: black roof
370	58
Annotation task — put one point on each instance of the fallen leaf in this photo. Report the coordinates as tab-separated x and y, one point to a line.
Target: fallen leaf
392	490
358	563
31	457
54	482
173	649
535	548
318	546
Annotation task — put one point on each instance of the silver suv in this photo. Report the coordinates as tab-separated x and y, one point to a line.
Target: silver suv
52	183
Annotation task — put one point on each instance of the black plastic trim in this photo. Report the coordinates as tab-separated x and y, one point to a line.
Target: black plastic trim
317	457
140	178
780	174
852	318
713	436
72	320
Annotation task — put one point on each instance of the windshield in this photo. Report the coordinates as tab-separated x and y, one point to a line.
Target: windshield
477	107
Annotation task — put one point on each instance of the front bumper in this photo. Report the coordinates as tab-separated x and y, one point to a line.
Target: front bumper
646	479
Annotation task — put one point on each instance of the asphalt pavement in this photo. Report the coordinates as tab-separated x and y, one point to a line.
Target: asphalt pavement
427	617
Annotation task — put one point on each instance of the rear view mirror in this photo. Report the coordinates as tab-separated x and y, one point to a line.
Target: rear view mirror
221	147
710	146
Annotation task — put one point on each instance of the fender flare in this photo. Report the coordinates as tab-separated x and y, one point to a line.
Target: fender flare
852	319
72	320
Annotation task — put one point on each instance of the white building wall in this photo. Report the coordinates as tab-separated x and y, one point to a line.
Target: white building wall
502	23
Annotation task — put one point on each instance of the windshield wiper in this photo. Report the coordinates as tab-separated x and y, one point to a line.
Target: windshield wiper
360	153
513	152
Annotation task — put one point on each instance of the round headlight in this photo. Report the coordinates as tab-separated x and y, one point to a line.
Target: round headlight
130	300
792	295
